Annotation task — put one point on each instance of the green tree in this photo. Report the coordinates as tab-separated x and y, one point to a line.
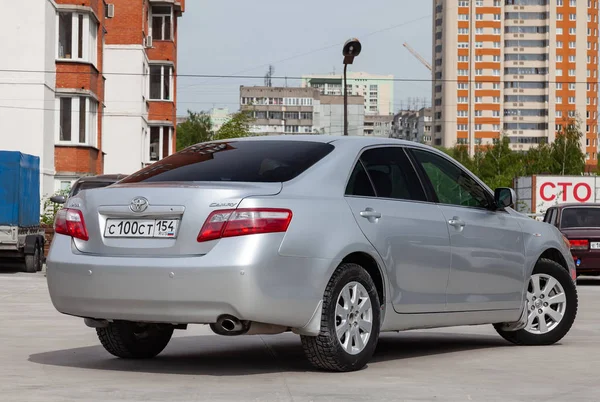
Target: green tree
237	127
196	129
567	157
500	164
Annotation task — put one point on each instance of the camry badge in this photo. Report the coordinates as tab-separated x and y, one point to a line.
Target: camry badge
139	204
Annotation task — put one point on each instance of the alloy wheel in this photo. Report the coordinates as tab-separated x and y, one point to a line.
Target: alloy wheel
547	304
353	318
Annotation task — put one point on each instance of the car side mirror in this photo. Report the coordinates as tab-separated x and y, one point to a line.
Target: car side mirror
58	199
505	197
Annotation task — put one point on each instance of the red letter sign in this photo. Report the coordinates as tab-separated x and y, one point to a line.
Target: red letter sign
542	193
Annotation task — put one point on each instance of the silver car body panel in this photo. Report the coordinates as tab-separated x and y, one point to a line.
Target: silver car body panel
434	274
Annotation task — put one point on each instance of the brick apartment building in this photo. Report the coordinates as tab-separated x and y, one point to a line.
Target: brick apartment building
89	82
141	62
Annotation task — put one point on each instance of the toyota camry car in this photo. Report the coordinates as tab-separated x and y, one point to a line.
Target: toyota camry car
336	239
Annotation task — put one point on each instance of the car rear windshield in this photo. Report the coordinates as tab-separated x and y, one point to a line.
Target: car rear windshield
580	218
236	161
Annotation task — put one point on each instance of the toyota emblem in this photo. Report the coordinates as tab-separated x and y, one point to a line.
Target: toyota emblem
139	204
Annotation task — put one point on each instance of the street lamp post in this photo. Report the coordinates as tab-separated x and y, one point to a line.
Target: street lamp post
352	48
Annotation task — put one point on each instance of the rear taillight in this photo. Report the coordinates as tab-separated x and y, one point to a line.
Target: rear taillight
579	244
69	222
241	222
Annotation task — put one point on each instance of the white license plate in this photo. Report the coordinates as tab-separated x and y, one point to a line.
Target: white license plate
595	246
141	228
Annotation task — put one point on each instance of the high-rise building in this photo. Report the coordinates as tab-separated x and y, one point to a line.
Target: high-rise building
377	90
523	68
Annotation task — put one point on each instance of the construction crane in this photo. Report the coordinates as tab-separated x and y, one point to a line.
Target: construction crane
418	56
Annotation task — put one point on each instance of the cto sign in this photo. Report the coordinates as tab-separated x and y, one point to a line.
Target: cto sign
564	190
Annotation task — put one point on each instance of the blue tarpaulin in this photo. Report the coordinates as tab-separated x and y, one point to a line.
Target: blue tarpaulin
19	189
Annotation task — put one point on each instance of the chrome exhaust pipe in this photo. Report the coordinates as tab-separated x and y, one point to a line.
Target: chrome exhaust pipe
229	326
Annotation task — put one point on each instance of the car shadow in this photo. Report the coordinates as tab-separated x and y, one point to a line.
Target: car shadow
10	266
250	355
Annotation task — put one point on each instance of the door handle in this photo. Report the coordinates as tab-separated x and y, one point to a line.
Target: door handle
370	213
456	222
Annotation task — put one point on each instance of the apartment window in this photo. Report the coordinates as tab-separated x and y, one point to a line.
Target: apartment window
496	113
462	127
463	45
463	59
496	85
77	37
559	44
572	100
478	45
497	31
573	17
496	58
572	72
463	3
479	31
478	99
496	72
496	99
461	113
497	17
479	85
160	82
463	17
463	72
497	45
478	57
573	3
161	143
559	72
559	113
572	45
559	16
572	31
559	31
463	31
478	113
559	58
462	99
559	100
162	25
463	85
479	71
479	17
478	127
496	127
559	2
77	120
572	58
572	86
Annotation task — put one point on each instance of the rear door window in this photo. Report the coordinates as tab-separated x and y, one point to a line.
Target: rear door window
236	161
385	173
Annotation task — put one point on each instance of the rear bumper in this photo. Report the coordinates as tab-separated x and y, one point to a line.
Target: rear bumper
244	277
589	261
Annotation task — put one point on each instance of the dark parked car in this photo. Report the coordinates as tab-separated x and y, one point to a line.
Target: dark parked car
580	223
88	183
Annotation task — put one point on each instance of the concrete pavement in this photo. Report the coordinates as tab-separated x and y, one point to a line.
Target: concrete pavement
46	356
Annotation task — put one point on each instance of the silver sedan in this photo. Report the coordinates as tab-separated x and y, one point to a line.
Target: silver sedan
336	239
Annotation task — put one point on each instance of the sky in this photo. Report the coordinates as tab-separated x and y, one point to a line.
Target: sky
241	37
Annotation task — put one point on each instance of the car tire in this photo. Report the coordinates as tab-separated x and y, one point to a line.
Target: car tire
357	319
32	260
130	340
547	322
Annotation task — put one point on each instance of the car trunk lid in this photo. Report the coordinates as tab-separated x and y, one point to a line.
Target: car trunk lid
157	219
